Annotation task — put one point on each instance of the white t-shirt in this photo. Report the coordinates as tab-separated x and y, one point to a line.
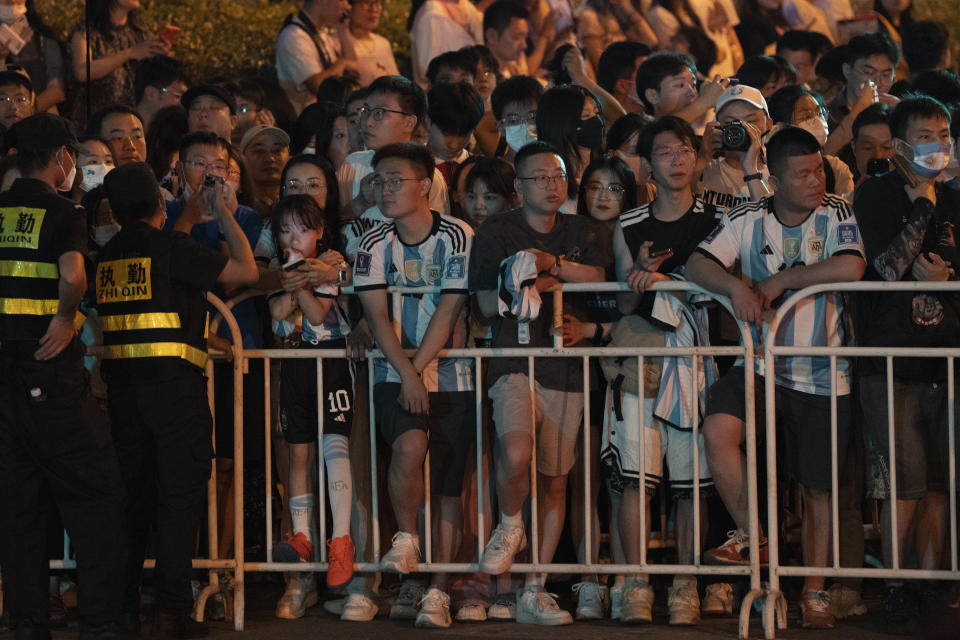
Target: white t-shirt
435	32
374	57
298	58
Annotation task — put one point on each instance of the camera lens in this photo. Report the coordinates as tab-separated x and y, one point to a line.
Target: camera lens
735	137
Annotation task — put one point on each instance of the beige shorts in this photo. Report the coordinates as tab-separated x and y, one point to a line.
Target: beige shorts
557	416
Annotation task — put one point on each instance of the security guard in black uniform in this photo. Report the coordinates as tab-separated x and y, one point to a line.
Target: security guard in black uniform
151	297
54	441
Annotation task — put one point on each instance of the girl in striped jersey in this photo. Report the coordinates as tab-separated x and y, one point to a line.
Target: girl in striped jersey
308	316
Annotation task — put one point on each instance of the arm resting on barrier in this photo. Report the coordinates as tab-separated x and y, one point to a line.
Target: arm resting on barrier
839	268
706	272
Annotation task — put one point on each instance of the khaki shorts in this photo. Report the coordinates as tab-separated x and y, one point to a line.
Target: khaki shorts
557	416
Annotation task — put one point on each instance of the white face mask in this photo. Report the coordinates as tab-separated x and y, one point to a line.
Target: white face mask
518	135
309	150
102	234
818	127
68	177
93	175
12	12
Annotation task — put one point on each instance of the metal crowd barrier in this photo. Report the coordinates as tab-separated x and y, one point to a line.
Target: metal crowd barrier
775	607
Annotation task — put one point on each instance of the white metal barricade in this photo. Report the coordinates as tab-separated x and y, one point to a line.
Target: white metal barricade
775	606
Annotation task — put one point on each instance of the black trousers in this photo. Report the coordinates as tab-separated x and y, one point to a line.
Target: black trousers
163	434
55	442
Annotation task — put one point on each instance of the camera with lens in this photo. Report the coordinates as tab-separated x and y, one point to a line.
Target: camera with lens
735	136
210	181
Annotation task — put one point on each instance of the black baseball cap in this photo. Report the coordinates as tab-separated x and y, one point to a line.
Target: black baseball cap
44	132
15	74
216	91
131	186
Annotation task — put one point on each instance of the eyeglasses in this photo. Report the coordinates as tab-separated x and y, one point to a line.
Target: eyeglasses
378	113
133	135
175	94
544	182
203	165
513	119
17	101
615	190
207	108
234	174
312	186
810	114
673	154
875	74
391	184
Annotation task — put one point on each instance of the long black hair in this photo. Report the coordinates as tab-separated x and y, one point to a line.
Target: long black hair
99	17
331	207
624	174
558	117
315	120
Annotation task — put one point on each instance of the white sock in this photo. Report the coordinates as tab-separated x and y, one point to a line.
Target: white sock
515	520
336	458
301	515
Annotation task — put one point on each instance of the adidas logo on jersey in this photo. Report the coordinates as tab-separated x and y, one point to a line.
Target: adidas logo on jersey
766	251
340	418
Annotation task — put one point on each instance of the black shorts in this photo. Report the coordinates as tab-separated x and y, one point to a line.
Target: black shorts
451	427
803	426
299	393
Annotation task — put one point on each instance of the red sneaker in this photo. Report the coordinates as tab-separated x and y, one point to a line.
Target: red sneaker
736	550
297	548
340	560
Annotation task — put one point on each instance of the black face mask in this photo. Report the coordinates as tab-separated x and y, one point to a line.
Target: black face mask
590	133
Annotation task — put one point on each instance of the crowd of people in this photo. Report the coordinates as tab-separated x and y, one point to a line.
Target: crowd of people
752	148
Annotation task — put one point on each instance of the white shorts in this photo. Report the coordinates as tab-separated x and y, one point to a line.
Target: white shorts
621	448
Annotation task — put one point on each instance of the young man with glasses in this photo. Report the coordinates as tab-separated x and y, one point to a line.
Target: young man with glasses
536	242
159	82
122	128
650	242
210	108
424	402
265	151
16	97
393	108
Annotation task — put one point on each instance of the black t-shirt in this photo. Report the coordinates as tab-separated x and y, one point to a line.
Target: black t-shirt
887	318
579	239
681	236
37	226
181	272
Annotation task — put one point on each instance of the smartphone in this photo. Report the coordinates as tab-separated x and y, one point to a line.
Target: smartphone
170	33
293	266
660	252
878	166
210	181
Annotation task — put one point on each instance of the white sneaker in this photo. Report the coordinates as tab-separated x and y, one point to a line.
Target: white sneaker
434	610
471	612
616	601
404	606
503	545
358	608
592	600
300	595
683	602
637	602
536	606
503	608
404	555
718	600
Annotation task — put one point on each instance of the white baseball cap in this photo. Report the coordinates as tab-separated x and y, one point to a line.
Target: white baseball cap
743	92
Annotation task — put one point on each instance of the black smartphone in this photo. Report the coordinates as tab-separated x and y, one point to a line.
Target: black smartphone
210	181
878	166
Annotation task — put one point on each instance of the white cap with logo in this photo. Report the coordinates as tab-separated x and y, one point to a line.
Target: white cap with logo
748	94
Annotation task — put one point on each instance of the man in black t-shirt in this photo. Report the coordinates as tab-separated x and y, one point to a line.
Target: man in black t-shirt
567	249
54	441
650	242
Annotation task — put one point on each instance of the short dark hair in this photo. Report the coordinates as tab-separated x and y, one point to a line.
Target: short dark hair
206	138
874	114
459	59
96	120
617	62
248	90
664	124
871	44
501	13
484	55
757	71
167	129
658	66
787	143
316	120
456	108
532	149
915	106
624	174
942	84
496	173
515	89
622	129
133	192
780	105
360	94
924	44
410	96
158	71
411	152
799	41
336	89
830	65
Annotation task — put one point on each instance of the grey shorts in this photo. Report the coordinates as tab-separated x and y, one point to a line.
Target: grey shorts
920	430
556	414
